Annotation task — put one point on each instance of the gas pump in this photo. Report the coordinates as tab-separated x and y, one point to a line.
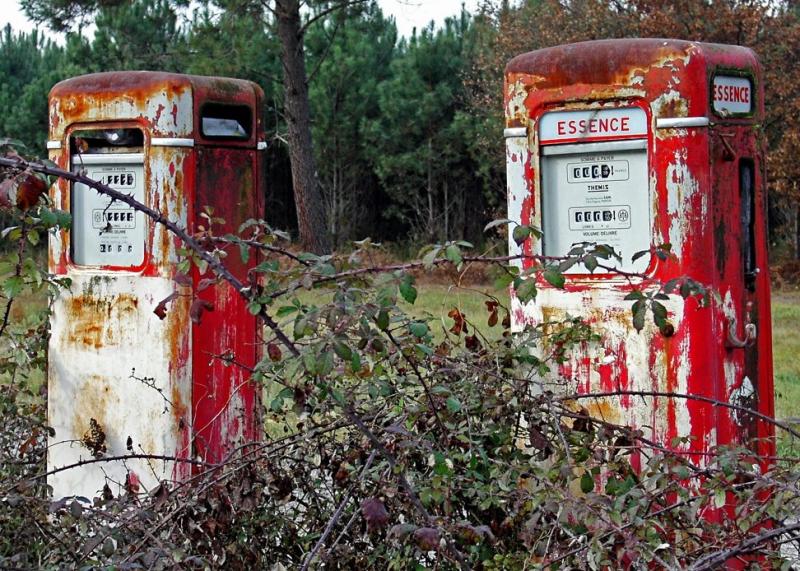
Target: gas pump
127	377
636	144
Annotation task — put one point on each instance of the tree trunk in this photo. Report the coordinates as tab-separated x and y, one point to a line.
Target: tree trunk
307	194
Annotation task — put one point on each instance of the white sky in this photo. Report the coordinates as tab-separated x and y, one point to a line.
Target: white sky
407	13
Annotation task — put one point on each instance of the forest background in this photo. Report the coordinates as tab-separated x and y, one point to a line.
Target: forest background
407	131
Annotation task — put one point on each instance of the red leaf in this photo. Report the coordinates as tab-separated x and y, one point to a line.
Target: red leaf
274	352
161	308
29	190
459	324
374	513
427	538
197	309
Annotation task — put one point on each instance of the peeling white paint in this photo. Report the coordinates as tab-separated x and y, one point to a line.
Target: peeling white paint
681	188
92	357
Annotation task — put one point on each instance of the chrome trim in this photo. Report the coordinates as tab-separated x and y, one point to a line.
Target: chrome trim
171	142
108	159
513	132
598	147
681	122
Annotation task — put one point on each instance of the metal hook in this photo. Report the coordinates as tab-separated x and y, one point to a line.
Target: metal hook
750	331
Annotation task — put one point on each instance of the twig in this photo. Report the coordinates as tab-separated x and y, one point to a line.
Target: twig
700	398
337	514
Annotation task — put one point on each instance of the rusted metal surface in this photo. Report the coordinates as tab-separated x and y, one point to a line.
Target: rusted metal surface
696	203
151	385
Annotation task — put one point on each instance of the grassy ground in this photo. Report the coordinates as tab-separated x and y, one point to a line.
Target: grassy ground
786	353
786	358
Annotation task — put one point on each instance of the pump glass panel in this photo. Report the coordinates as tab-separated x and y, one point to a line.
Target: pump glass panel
106	233
597	192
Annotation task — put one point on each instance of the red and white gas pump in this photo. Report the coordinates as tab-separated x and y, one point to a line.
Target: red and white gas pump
635	144
123	377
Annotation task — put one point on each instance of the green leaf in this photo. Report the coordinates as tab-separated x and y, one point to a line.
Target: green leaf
244	252
720	498
268	266
13	286
64	218
527	290
521	233
12	233
590	262
453	404
254	308
285	310
310	362
325	363
418	329
453	253
355	362
587	483
634	295
496	223
342	350
554	277
49	218
407	290
659	310
382	320
326	270
425	349
639	310
639	254
300	325
430	257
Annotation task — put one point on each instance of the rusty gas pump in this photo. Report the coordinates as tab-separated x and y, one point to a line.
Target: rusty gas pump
637	144
123	378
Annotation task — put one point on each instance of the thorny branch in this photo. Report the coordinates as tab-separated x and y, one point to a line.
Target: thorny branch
214	475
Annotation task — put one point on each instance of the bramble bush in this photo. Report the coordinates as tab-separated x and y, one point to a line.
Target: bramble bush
388	444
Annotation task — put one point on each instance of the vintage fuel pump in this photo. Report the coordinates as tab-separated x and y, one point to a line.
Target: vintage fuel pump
123	379
635	144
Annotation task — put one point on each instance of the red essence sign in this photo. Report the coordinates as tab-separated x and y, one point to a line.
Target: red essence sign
591	125
732	95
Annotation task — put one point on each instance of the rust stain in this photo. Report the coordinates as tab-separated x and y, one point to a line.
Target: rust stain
97	401
97	322
605	410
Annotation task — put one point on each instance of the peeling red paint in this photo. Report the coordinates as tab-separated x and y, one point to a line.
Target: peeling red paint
183	172
693	175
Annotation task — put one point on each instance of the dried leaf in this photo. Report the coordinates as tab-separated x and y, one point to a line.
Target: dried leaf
374	513
198	307
161	308
427	538
274	352
29	190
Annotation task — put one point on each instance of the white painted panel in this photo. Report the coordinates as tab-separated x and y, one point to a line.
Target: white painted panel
103	330
517	187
